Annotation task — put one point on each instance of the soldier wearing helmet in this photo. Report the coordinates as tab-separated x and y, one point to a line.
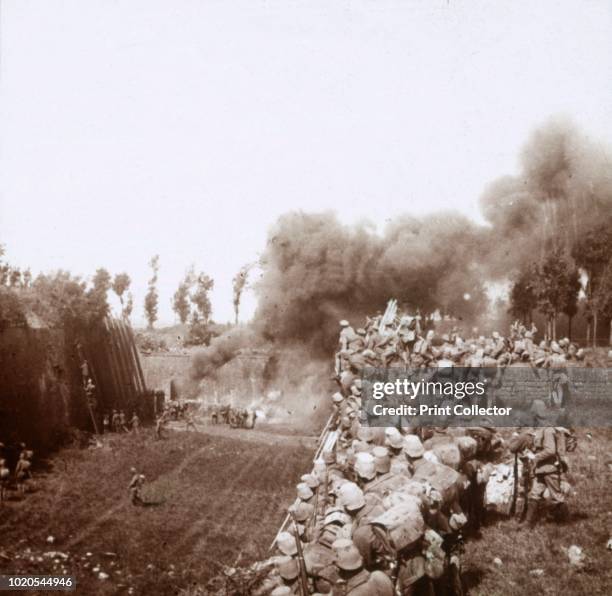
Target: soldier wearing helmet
354	579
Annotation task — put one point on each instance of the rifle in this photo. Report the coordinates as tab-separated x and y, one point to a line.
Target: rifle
515	486
526	482
313	529
304	590
326	495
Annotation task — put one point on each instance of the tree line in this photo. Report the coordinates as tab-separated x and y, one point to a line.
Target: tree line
563	277
60	298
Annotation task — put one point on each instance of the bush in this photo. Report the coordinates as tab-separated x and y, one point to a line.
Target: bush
148	342
11	311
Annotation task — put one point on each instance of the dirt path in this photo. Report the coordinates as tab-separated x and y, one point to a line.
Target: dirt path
267	434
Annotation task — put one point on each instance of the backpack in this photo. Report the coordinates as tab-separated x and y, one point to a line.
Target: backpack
565	442
399	526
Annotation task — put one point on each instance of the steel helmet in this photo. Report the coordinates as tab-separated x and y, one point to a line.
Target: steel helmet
286	544
394	438
350	496
413	446
287	567
382	461
347	555
311	480
304	492
302	511
365	465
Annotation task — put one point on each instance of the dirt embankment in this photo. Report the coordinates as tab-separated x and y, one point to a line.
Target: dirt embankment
40	391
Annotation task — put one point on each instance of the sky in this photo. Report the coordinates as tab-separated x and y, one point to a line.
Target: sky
184	128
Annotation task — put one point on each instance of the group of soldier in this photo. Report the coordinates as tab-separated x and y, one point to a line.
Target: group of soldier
117	422
385	510
235	416
401	341
22	473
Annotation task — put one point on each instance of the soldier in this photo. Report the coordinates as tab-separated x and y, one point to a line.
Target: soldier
135	486
85	372
22	472
160	425
251	418
365	468
549	468
355	580
414	451
190	421
561	391
106	423
90	391
116	422
289	572
135	423
123	422
5	476
347	335
214	414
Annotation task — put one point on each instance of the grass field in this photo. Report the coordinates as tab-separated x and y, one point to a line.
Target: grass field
523	551
213	500
218	499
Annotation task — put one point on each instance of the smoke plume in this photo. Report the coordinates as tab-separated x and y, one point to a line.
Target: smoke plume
564	187
316	270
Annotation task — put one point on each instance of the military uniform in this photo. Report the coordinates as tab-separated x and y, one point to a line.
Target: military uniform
364	583
5	475
134	488
549	467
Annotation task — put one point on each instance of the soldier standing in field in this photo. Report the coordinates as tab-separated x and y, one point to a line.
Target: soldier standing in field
123	422
106	423
135	423
5	476
189	421
116	422
135	487
159	426
22	472
549	483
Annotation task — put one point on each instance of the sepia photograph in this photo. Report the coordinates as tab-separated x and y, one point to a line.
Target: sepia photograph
306	297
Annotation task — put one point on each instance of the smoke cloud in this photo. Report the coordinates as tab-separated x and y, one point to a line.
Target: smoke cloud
564	187
316	271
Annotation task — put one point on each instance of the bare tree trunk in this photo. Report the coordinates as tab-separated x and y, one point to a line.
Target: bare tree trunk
569	327
553	322
588	337
595	329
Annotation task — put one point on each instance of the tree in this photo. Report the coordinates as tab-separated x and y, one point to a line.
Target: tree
152	297
63	300
180	300
15	277
523	299
129	306
592	253
556	287
239	283
569	299
97	296
120	285
602	297
27	278
199	298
